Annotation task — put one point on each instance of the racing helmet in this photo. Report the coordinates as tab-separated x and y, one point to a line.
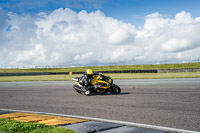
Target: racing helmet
89	72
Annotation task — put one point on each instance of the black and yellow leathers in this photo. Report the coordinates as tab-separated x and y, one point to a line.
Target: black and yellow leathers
99	83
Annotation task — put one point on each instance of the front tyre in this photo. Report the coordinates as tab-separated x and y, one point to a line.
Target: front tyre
115	89
77	88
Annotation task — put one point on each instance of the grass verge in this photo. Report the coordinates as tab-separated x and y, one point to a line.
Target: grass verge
155	75
12	126
114	76
107	68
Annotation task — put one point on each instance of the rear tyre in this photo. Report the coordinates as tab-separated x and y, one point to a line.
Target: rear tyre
115	89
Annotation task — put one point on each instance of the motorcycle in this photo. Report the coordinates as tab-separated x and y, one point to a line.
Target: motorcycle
105	85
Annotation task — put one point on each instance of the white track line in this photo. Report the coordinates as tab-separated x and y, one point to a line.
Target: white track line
113	121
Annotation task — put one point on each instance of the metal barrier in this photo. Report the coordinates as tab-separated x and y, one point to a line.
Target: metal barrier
122	71
25	74
179	70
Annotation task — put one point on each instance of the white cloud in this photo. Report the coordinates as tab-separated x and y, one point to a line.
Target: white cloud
84	57
166	38
197	19
66	37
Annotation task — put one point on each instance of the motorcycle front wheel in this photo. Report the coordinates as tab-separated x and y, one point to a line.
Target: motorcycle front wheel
115	89
77	88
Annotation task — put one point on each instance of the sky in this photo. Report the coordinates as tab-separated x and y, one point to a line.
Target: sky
98	32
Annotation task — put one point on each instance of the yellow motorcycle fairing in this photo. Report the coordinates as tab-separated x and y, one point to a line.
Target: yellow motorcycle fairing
76	82
94	80
97	80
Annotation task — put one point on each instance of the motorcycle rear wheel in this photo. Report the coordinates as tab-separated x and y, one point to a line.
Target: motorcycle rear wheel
115	89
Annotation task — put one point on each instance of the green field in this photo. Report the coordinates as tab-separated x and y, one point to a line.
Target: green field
12	126
114	76
105	68
108	68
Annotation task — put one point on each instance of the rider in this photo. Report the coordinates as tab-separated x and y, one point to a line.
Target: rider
85	80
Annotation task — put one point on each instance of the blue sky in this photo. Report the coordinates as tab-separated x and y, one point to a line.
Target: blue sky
98	32
129	11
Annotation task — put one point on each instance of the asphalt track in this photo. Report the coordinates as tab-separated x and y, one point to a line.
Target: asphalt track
173	103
